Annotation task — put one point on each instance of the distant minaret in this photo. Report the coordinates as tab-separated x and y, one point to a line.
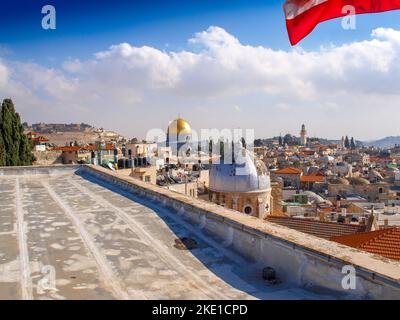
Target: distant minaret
303	135
343	144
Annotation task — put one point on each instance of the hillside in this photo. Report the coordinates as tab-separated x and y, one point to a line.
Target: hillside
64	134
386	142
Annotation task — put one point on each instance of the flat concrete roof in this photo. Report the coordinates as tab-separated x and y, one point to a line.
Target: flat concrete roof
97	242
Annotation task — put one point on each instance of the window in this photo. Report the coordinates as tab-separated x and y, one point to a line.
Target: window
147	178
248	210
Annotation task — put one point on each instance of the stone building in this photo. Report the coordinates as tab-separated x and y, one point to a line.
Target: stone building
290	176
244	187
145	173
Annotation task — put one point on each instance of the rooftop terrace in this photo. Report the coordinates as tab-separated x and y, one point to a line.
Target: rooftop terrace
101	236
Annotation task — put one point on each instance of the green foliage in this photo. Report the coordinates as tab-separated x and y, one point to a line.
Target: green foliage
2	152
280	141
347	142
352	143
15	147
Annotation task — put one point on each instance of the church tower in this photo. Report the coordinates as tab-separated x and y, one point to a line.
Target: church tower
303	135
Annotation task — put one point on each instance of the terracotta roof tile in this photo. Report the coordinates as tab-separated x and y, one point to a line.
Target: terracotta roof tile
289	170
385	242
317	228
312	178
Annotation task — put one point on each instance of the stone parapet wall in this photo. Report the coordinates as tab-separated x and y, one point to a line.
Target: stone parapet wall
298	258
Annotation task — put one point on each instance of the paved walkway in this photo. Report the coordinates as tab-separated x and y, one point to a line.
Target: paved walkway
69	237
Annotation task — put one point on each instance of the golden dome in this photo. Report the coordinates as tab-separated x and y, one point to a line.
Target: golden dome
179	126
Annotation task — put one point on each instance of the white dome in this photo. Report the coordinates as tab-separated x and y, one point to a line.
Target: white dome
240	177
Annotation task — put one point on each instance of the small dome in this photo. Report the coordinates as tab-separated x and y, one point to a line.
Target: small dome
240	177
313	197
179	126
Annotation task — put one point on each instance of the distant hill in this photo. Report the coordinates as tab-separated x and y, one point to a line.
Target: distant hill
61	134
296	141
387	142
61	127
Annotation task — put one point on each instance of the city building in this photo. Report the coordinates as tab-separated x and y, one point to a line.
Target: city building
77	154
290	176
179	138
145	173
244	187
303	135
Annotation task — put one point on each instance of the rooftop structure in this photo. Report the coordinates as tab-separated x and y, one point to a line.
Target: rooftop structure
385	242
319	229
179	136
106	236
244	186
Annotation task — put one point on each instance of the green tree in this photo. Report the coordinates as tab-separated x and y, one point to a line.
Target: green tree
2	153
16	146
352	143
347	142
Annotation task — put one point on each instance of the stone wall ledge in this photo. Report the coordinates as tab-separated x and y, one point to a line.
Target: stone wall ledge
372	266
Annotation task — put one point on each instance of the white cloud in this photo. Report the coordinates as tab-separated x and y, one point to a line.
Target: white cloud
125	83
3	75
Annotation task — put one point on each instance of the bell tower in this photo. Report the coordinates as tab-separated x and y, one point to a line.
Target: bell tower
303	135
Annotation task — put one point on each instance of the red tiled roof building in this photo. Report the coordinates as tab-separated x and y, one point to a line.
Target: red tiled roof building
385	242
317	228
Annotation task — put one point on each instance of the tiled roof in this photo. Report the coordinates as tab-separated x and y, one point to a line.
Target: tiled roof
379	159
385	242
289	170
308	152
317	228
312	178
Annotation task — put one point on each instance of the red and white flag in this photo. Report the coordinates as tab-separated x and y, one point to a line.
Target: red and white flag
302	16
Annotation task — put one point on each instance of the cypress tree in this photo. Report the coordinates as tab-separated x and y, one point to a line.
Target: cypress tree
2	152
16	145
352	143
347	142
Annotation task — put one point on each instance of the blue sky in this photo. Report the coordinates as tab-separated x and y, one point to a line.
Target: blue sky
84	27
42	69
